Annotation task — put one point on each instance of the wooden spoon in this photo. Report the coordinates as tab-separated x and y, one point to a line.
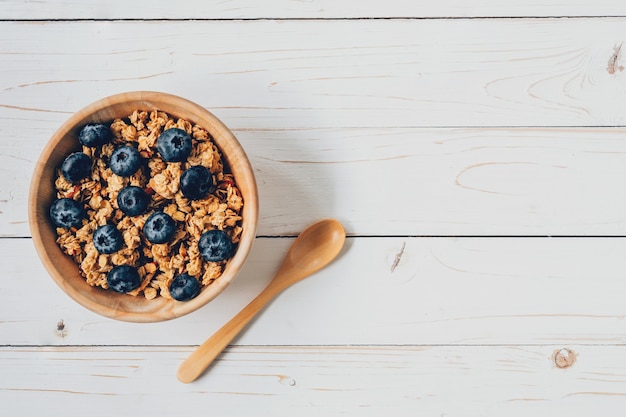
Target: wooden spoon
316	246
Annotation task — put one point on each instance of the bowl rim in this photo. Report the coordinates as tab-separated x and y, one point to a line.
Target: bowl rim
150	100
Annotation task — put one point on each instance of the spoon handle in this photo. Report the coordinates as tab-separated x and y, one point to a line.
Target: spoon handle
204	355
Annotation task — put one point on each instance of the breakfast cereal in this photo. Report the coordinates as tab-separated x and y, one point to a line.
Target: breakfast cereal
156	263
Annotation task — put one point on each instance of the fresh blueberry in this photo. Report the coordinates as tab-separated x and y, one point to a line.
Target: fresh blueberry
76	166
133	201
159	227
196	182
107	239
125	161
67	213
94	135
184	287
215	245
174	145
123	278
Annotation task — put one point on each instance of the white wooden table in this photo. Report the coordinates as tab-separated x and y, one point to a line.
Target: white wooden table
475	152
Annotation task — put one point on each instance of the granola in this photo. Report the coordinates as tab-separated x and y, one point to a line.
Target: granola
157	264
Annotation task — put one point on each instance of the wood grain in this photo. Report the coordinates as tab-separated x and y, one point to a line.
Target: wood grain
308	122
476	291
314	380
408	181
326	73
310	9
402	119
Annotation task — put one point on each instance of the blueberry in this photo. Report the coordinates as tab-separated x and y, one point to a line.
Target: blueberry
133	201
125	161
107	239
184	287
67	213
159	228
174	145
76	166
123	278
196	182
94	135
215	246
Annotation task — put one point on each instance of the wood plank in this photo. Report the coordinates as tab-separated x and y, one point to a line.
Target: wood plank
406	181
476	291
312	73
312	9
274	93
315	380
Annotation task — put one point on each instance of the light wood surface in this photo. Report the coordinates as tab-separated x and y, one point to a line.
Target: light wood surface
474	152
323	108
309	9
477	291
331	380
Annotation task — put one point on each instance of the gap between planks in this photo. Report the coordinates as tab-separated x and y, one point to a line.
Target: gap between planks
313	19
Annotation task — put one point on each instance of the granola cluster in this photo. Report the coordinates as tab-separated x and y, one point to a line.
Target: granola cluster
157	264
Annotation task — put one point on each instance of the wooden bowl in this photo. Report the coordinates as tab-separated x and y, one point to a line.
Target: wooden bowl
65	271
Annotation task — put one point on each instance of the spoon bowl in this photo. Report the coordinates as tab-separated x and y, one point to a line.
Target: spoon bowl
312	250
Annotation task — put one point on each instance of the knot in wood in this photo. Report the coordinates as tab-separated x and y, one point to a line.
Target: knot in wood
564	358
